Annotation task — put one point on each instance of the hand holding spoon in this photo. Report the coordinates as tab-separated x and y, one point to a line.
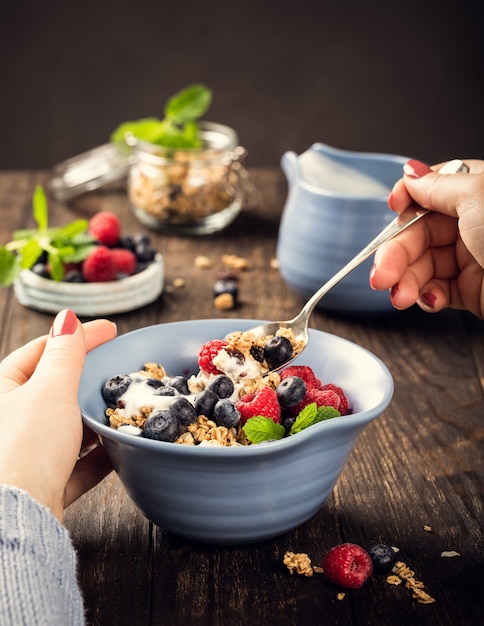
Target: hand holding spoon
299	324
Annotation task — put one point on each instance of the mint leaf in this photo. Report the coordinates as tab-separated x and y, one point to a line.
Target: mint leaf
189	104
77	253
260	428
306	418
148	129
77	227
56	268
39	205
312	414
326	412
64	244
9	267
178	129
30	253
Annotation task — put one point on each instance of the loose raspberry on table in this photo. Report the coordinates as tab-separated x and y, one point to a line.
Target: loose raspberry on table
304	372
263	402
347	565
105	227
99	266
208	352
124	261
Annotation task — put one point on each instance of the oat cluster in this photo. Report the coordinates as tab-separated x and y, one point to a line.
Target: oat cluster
298	562
206	432
403	574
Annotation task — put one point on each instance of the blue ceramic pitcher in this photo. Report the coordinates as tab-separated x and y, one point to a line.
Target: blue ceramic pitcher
336	204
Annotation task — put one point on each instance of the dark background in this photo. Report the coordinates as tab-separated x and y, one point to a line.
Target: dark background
385	76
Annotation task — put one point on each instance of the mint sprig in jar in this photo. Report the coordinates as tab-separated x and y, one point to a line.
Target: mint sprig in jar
187	176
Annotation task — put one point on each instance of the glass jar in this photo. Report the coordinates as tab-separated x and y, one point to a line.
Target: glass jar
188	191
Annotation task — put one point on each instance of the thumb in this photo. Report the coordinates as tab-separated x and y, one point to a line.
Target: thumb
60	366
450	194
458	195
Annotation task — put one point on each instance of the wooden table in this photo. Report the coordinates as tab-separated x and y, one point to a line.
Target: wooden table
415	479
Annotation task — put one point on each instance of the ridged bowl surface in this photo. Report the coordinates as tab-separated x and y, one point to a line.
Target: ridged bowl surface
91	299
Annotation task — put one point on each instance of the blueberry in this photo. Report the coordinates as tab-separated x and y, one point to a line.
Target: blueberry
180	383
225	286
73	276
184	410
127	242
154	382
40	269
291	391
225	413
287	422
222	385
144	251
205	402
165	391
277	351
383	558
162	425
114	388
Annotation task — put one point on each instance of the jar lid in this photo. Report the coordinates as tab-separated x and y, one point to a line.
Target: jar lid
90	170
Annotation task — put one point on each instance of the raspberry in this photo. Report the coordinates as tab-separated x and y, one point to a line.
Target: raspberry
304	372
99	267
208	352
324	397
347	565
263	402
105	227
344	404
124	261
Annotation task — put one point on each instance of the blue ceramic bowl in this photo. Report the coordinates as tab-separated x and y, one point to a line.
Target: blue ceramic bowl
240	494
337	203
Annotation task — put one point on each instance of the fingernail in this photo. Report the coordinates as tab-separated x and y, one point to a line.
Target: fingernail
416	169
428	299
372	272
394	290
65	323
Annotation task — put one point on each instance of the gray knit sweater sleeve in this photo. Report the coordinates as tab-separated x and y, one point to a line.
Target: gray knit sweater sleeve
38	563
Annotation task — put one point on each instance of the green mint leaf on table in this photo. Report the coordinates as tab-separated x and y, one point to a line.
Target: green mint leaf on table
258	429
179	128
64	244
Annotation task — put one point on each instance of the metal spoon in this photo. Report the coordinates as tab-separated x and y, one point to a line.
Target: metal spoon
299	324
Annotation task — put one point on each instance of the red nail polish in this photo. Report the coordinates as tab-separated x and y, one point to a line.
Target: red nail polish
65	323
416	169
428	299
394	291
